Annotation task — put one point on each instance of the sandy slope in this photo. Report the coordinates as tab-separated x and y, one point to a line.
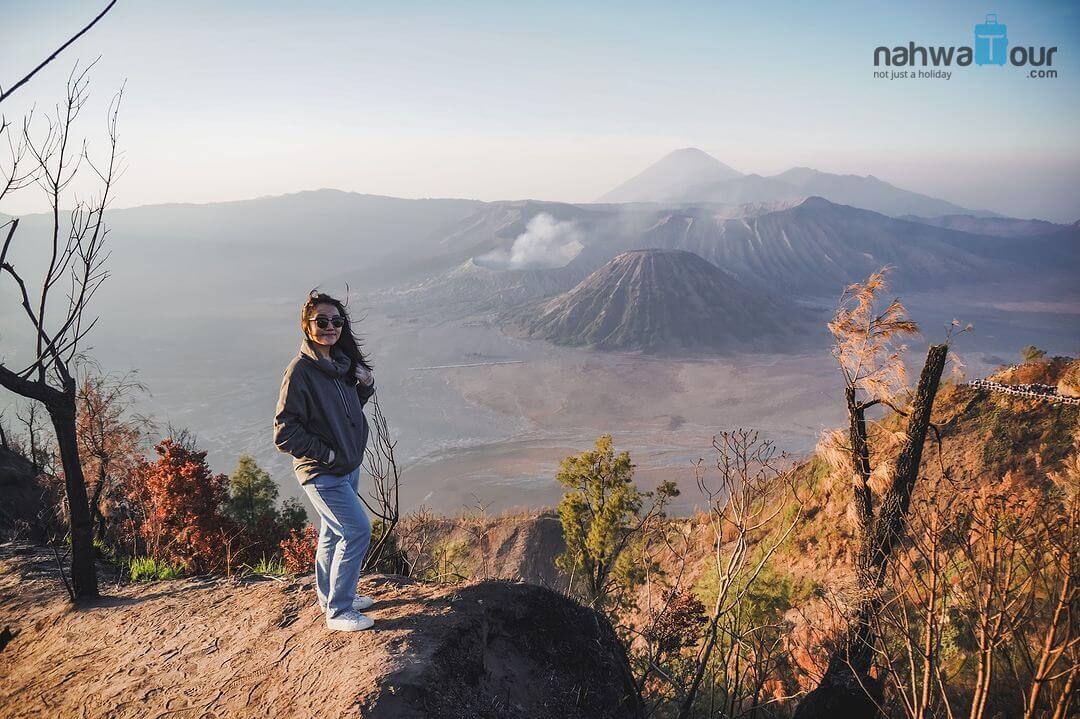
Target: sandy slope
220	648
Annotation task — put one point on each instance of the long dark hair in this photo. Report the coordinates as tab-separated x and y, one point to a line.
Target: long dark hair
348	341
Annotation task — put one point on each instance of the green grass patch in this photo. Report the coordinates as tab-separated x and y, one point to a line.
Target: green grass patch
148	569
107	553
1015	433
269	566
817	472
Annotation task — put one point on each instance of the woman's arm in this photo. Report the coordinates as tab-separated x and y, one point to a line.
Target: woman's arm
290	434
365	392
365	384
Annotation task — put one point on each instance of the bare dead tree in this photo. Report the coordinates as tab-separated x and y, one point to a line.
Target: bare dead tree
993	563
872	366
3	433
997	580
386	476
671	614
32	441
228	536
37	443
110	441
4	94
477	524
748	508
912	622
418	533
1053	655
428	549
77	252
182	436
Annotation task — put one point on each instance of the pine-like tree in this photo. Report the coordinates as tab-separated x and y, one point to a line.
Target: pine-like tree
252	495
601	516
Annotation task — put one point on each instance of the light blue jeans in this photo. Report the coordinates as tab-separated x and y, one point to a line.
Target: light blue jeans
344	536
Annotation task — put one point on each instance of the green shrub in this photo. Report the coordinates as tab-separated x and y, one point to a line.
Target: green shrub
449	561
147	569
1031	353
765	599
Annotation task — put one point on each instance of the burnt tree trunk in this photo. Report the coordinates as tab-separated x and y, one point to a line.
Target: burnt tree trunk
847	688
83	572
60	404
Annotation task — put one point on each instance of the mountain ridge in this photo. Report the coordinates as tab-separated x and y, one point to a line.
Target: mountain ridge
806	248
665	181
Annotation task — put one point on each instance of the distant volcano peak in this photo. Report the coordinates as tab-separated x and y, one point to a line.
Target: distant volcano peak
691	152
673	174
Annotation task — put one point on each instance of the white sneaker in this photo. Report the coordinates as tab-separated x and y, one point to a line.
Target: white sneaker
350	622
359	603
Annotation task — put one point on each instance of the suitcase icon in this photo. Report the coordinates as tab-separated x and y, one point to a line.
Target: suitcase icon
991	42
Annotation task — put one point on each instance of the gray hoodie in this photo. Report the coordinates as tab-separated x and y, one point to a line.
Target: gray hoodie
320	409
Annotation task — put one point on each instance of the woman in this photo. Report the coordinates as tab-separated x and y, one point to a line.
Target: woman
320	422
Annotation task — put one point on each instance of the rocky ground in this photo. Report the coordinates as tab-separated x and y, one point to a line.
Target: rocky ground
215	648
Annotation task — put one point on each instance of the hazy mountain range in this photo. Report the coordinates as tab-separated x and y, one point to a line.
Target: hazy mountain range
692	176
809	249
457	257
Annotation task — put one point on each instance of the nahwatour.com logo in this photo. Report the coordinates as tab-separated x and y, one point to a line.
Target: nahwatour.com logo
991	48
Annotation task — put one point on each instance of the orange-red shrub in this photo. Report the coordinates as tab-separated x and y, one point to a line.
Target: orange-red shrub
298	551
179	500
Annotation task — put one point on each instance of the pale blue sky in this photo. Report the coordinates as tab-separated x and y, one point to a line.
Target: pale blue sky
230	100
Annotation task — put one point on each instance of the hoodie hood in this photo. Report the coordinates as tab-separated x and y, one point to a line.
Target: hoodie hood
336	366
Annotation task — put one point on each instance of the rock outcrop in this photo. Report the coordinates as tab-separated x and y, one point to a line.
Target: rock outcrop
22	496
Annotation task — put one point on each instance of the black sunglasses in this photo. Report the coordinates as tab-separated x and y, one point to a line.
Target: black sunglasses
323	321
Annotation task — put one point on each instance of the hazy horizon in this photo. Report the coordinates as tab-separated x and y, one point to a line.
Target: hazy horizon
487	102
